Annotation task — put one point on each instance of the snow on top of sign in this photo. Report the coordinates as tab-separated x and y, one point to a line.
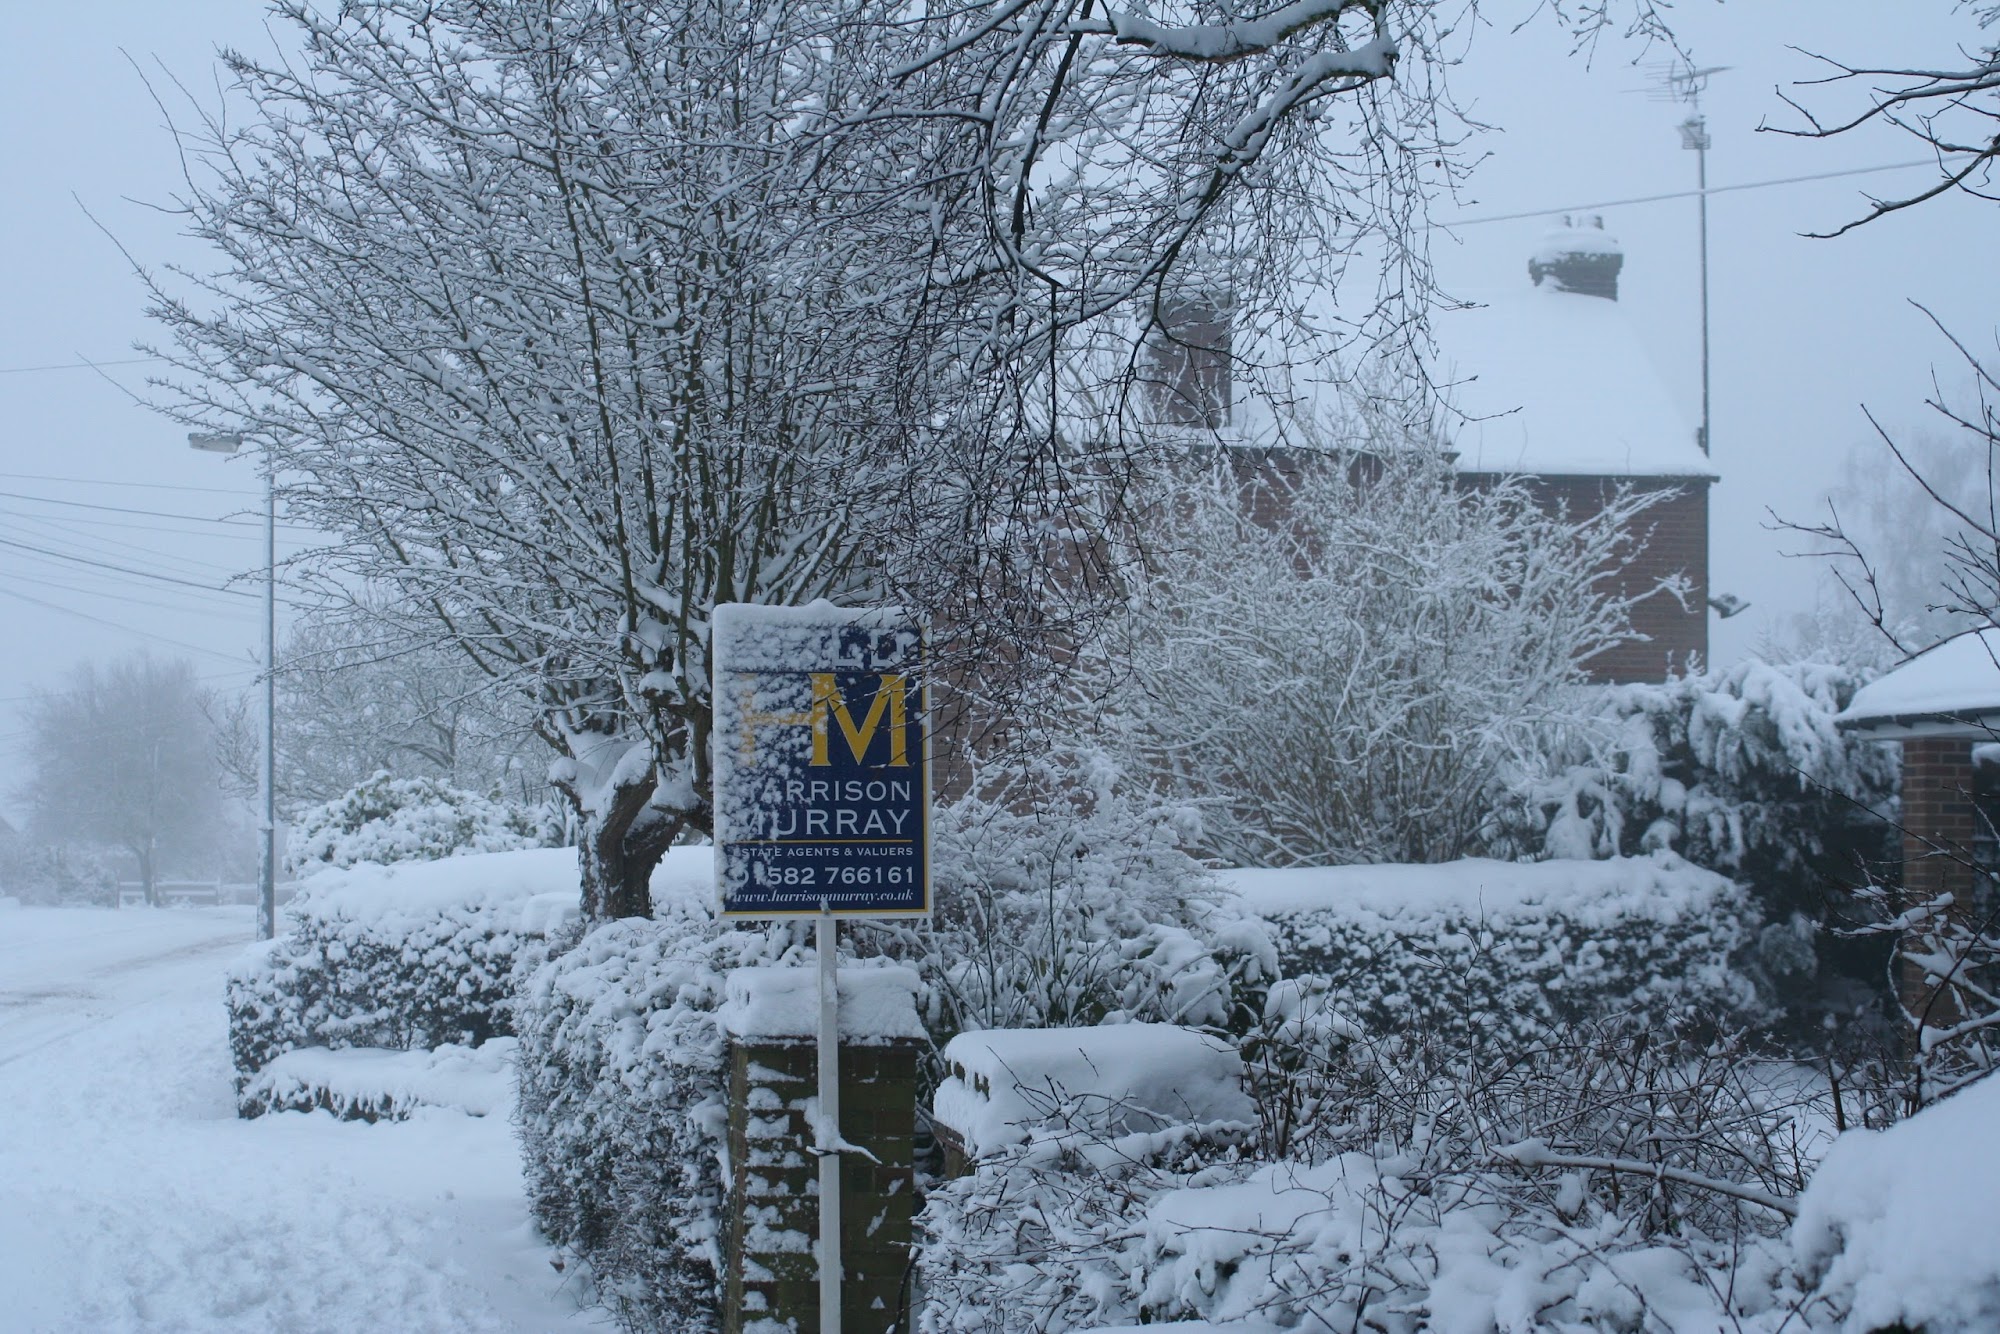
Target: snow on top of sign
754	636
1551	383
876	1004
1900	1223
1004	1082
1957	678
736	616
1660	887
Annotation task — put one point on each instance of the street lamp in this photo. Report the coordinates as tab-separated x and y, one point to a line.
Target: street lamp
217	442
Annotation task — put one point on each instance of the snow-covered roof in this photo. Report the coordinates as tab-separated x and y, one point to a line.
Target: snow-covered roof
1950	689
1555	383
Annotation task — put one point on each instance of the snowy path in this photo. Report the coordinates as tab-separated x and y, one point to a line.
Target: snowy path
131	1198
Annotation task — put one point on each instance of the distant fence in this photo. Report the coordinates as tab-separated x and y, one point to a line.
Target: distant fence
196	893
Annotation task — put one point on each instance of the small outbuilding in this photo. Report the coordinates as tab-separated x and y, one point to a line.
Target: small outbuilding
1943	705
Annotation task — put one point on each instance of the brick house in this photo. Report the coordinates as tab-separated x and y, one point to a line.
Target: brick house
1548	380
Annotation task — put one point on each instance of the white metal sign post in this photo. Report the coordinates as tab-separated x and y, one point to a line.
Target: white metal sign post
822	806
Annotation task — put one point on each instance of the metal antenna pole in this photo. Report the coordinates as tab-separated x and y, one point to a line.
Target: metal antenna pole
1695	131
1685	84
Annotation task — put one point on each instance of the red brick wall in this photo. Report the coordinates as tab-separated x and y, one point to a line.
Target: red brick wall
1675	537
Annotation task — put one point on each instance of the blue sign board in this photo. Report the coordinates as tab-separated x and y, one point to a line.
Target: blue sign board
821	762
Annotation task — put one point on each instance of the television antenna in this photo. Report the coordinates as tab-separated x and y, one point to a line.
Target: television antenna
1684	81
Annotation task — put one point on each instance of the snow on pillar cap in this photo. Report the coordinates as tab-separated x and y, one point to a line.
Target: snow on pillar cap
1580	256
876	1004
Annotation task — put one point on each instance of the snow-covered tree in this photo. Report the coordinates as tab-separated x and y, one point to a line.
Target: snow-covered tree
122	756
365	686
575	319
1341	666
1949	107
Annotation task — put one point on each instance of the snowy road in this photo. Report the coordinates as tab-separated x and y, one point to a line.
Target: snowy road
131	1198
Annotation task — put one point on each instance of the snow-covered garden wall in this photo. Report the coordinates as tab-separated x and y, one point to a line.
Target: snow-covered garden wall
1500	951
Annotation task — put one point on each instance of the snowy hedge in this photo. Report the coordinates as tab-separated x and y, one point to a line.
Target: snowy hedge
1066	909
387	820
1499	951
622	1112
399	957
1897	1228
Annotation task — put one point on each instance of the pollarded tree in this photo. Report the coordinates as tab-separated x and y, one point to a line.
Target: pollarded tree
122	756
575	319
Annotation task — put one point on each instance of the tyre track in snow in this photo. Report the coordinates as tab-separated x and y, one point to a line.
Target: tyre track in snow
134	990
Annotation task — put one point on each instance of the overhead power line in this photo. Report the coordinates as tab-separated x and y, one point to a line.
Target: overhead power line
149	514
146	486
130	630
121	569
1690	194
78	365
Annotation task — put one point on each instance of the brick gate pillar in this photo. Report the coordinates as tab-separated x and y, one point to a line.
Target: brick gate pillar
772	1218
1939	823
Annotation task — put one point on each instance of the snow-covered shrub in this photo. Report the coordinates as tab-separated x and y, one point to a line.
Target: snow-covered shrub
1896	1229
46	873
369	1084
1588	1181
1349	683
1494	952
1063	899
1740	770
387	819
1948	952
622	1104
403	957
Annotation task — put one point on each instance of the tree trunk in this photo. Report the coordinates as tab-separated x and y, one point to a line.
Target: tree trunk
619	850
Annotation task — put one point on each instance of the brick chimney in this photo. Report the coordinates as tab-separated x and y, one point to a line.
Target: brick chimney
1579	256
1187	366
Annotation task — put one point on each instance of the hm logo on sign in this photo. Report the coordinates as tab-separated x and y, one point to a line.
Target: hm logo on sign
829	709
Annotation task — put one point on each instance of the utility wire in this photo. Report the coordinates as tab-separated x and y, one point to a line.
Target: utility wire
153	600
78	365
67	522
130	630
149	486
121	569
102	546
1690	194
149	514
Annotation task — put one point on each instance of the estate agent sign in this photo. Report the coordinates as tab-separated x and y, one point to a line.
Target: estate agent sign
821	761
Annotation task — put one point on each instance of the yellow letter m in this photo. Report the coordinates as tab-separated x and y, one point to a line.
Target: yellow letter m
829	703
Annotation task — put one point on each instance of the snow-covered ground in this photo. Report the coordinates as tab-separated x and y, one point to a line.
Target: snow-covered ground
132	1198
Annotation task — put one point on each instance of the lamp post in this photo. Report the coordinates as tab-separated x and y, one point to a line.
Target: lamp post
267	780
